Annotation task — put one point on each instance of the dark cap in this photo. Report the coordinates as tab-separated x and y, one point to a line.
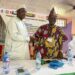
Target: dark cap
52	12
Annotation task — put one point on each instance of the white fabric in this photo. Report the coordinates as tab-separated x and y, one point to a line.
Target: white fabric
45	70
71	45
17	39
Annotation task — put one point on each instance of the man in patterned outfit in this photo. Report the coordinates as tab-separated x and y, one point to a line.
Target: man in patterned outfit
49	38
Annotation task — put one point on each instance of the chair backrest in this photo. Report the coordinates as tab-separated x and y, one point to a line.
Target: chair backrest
1	51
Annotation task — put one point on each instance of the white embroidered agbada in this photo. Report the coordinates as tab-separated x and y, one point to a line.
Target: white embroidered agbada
17	39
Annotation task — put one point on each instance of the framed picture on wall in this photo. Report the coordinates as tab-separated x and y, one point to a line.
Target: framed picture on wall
61	22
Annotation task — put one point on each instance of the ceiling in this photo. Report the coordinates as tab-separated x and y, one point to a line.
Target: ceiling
41	6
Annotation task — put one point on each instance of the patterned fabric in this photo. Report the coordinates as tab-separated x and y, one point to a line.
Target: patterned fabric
48	40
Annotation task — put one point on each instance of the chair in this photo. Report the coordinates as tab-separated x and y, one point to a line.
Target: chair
1	51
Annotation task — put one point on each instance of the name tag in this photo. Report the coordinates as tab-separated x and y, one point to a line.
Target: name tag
49	39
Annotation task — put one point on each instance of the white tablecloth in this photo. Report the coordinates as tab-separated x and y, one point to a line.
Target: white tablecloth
30	65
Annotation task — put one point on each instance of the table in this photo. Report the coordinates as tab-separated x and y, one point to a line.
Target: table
45	70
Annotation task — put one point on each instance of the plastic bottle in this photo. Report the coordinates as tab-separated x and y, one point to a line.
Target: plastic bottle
6	63
27	72
38	60
70	56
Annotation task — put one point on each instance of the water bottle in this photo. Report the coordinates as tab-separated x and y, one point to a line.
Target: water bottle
5	63
38	60
70	56
27	72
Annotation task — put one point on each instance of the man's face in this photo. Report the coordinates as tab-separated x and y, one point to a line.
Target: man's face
52	19
21	13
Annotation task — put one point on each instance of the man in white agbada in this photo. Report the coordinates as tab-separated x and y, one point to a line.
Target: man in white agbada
17	38
71	45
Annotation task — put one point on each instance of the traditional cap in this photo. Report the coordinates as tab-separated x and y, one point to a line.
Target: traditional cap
52	12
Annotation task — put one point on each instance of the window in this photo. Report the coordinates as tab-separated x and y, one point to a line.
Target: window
61	22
